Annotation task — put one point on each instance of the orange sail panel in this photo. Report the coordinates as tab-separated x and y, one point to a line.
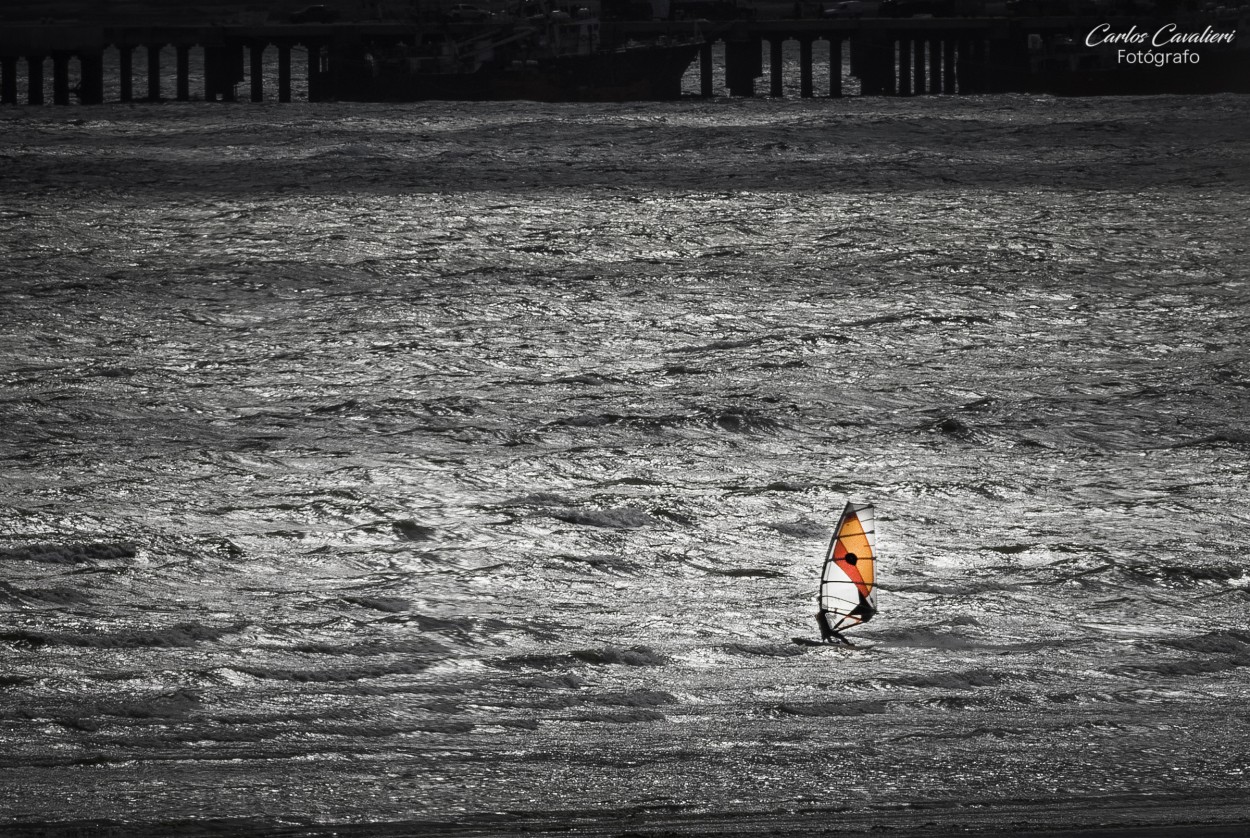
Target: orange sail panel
848	579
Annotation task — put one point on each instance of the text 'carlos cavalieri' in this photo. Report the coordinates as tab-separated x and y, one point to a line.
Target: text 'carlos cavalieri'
1168	35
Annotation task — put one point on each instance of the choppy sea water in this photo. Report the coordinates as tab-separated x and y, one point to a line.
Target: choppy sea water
469	467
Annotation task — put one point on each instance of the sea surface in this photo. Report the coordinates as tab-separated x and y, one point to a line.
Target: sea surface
468	468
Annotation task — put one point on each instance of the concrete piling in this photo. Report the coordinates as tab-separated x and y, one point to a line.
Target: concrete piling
8	80
60	77
257	51
775	66
34	79
948	65
91	77
904	67
705	70
918	65
835	67
743	64
125	68
805	68
935	66
284	72
154	72
183	73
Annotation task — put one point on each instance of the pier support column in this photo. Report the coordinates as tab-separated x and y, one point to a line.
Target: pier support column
904	66
889	67
125	67
963	66
835	66
774	67
872	60
258	72
805	68
34	79
284	72
60	78
222	68
979	74
184	73
935	65
743	64
705	70
948	66
210	74
91	83
314	72
970	65
231	71
918	66
8	84
1009	56
154	72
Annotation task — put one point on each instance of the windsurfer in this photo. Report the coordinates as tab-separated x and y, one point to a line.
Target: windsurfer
863	611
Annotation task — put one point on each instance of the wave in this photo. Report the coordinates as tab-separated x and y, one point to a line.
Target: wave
408	646
359	672
633	656
639	656
725	343
762	650
1182	668
622	717
802	528
412	531
598	562
1223	641
389	604
969	680
926	638
1183	576
734	419
72	553
621	518
740	572
538	499
567	681
178	635
834	709
1227	437
32	597
169	705
465	630
954	428
637	698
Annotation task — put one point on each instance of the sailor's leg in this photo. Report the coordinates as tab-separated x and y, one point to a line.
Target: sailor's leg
822	620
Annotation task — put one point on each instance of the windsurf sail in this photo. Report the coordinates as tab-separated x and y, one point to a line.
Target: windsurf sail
848	579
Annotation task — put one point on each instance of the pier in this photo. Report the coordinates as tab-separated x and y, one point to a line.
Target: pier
888	57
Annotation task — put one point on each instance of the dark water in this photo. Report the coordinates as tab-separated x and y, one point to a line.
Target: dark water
471	465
